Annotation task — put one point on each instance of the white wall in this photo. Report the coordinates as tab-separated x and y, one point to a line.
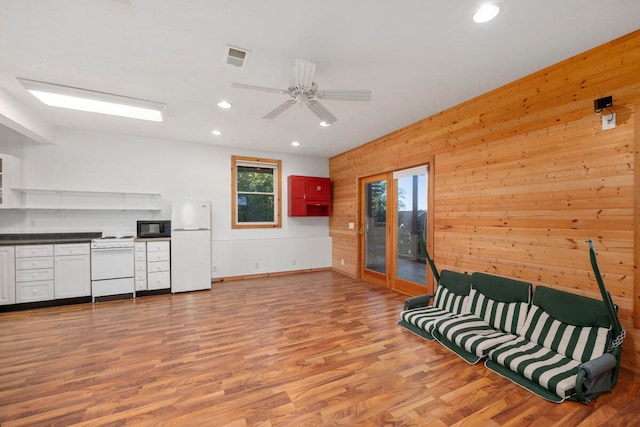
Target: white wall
82	160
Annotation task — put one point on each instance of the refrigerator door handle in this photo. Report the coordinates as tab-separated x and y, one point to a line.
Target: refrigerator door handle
190	229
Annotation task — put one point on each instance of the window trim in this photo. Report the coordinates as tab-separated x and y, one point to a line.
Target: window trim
277	166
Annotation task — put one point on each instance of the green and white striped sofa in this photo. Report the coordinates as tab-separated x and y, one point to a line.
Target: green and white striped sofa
558	345
451	299
562	333
496	311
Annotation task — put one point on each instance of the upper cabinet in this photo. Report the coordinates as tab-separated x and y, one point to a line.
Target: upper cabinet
309	196
10	178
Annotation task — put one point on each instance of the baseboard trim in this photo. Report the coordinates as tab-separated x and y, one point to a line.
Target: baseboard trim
274	274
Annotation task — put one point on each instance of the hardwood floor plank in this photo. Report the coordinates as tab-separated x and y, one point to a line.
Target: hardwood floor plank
312	349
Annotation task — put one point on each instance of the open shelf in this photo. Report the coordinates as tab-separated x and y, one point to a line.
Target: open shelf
87	200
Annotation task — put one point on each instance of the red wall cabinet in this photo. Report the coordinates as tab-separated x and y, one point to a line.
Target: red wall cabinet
309	196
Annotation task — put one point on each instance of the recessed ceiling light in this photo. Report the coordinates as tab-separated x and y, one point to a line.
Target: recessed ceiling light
486	13
224	104
216	132
325	124
295	144
73	98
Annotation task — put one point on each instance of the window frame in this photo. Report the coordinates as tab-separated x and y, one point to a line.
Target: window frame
276	165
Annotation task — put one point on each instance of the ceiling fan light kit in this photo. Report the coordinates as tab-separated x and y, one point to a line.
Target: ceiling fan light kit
303	90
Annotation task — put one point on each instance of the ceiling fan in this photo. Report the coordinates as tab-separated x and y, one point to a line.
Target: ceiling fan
303	90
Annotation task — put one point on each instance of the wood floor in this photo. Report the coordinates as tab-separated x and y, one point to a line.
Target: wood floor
312	349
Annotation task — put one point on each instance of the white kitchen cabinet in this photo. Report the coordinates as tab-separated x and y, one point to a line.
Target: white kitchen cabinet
10	178
153	270
140	254
7	275
72	270
34	273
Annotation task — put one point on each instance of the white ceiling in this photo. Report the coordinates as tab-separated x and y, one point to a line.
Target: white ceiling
418	57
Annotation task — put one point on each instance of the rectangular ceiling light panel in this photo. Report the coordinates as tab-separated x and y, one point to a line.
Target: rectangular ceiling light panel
95	102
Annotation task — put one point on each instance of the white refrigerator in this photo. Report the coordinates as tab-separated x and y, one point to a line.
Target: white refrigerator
190	246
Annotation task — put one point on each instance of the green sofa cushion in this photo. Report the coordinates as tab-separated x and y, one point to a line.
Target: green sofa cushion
580	343
571	308
458	283
504	316
538	364
501	288
471	333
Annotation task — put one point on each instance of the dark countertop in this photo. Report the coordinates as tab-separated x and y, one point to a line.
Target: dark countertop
46	238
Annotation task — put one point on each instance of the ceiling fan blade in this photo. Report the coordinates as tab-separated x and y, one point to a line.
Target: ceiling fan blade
258	88
279	109
321	112
304	72
345	95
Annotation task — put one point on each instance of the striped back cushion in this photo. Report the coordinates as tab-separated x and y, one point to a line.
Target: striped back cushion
447	300
506	316
580	343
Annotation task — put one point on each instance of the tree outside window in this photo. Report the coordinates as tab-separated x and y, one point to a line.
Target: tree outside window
256	193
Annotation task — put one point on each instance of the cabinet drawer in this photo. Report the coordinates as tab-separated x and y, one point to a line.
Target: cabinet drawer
34	291
140	256
141	276
34	250
141	266
71	249
160	280
158	256
141	285
140	247
158	266
34	275
158	246
34	262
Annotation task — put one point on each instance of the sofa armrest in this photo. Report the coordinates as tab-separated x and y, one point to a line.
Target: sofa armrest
595	377
419	301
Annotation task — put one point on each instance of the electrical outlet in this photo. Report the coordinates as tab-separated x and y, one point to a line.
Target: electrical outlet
214	269
293	262
608	121
257	265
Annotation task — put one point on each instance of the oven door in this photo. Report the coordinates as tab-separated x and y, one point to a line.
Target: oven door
112	263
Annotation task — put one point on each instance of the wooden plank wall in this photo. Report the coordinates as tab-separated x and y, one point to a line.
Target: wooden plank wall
523	176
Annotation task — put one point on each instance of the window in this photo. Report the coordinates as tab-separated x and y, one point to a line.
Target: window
256	192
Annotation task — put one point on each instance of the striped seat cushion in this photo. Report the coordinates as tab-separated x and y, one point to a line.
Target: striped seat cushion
505	316
541	365
575	342
424	317
446	304
472	333
449	301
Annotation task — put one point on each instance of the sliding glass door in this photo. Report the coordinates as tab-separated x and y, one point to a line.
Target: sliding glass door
394	230
373	229
411	231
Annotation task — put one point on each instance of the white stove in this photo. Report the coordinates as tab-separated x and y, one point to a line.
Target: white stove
112	266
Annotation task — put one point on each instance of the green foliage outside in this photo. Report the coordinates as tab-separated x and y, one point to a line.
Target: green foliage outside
256	196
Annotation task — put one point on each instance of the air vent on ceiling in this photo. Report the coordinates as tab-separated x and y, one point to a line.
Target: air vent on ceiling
236	56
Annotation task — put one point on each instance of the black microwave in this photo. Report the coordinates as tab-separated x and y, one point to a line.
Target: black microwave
150	229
